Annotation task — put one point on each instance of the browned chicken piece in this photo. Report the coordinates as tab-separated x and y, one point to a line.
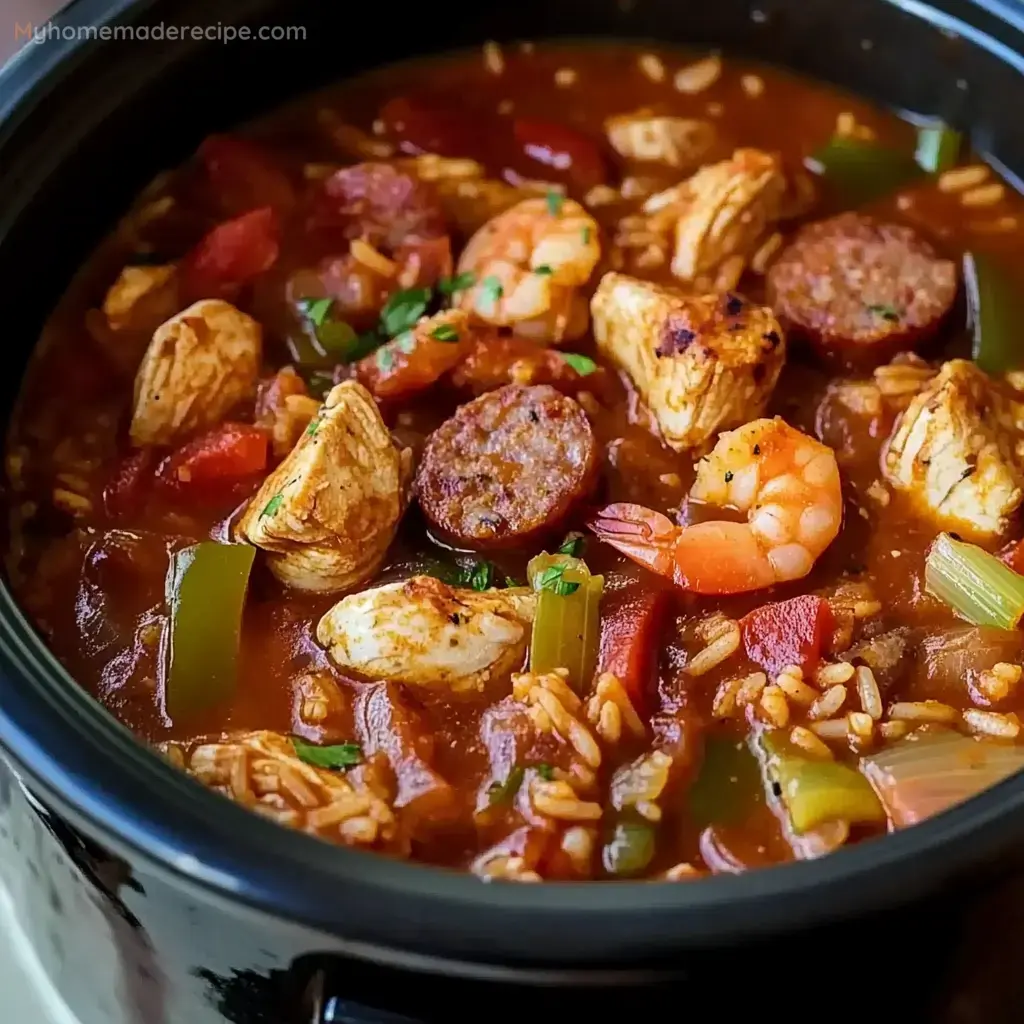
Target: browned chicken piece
328	513
140	295
702	364
679	142
262	771
388	724
321	710
200	365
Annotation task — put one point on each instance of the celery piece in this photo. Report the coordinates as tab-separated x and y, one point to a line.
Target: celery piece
938	147
861	171
992	314
975	584
630	849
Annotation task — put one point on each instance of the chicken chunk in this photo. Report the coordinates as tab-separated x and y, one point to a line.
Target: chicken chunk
424	633
680	142
200	364
951	453
327	514
262	770
724	210
702	364
138	290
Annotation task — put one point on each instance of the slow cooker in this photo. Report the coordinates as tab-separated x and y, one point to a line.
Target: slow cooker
145	898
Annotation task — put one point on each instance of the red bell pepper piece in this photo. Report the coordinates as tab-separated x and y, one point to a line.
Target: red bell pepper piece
230	255
562	150
629	642
245	176
125	490
790	632
223	456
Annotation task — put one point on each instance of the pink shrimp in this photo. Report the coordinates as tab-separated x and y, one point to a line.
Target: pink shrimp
786	482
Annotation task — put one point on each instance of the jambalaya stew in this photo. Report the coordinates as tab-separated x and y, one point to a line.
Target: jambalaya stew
554	463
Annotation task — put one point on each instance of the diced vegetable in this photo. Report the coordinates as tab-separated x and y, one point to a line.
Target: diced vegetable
815	792
573	545
583	365
629	642
245	176
934	769
938	148
224	455
861	171
505	792
206	589
949	657
993	315
728	784
566	626
630	849
412	362
792	632
561	150
334	758
232	254
974	583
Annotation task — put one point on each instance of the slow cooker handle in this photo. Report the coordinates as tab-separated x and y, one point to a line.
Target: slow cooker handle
325	1008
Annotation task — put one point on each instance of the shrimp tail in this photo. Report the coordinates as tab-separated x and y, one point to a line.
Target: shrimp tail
640	533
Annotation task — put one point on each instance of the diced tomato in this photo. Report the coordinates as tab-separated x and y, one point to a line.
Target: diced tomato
562	150
629	642
245	176
409	365
230	255
125	490
419	127
223	456
793	632
424	261
1013	556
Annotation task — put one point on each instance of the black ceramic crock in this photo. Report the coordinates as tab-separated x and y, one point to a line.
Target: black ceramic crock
150	900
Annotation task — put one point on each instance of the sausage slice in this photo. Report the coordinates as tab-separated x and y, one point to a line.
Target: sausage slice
860	290
507	466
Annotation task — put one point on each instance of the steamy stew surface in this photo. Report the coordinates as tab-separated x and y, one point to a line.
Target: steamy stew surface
552	463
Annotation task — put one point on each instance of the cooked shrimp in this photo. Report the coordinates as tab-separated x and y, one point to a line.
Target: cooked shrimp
528	265
786	482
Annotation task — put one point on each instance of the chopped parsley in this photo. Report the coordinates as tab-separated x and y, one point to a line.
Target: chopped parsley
886	313
385	359
458	283
545	771
544	270
272	506
551	579
316	311
481	577
505	792
509	582
445	332
492	289
572	545
555	201
314	426
405	342
403	309
341	755
586	235
583	365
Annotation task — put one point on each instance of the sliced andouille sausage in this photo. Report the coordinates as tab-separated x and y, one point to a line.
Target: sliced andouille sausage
506	467
861	290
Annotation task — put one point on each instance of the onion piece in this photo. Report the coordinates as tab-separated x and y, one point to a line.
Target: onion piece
934	769
950	657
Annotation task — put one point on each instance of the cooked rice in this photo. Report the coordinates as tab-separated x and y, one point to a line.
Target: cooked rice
834	730
999	682
775	706
682	873
992	723
504	869
791	681
365	253
601	195
806	740
640	784
983	195
578	845
761	259
554	707
610	709
697	77
566	77
894	730
828	704
923	711
494	59
652	67
960	178
999	226
861	727
752	85
724	641
558	800
868	692
838	672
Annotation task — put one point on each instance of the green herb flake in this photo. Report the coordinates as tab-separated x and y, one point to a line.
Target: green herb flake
445	332
406	342
483	576
886	313
403	309
583	365
551	579
458	283
572	545
492	289
555	201
385	359
272	506
334	758
545	771
505	792
510	582
586	235
314	426
544	270
316	311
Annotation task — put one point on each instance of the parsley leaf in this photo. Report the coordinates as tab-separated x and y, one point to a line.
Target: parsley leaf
555	201
482	576
272	506
545	771
314	426
316	311
458	283
492	289
510	582
886	313
342	755
385	359
583	365
544	270
403	309
586	235
551	579
505	792
445	332
572	545
406	342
